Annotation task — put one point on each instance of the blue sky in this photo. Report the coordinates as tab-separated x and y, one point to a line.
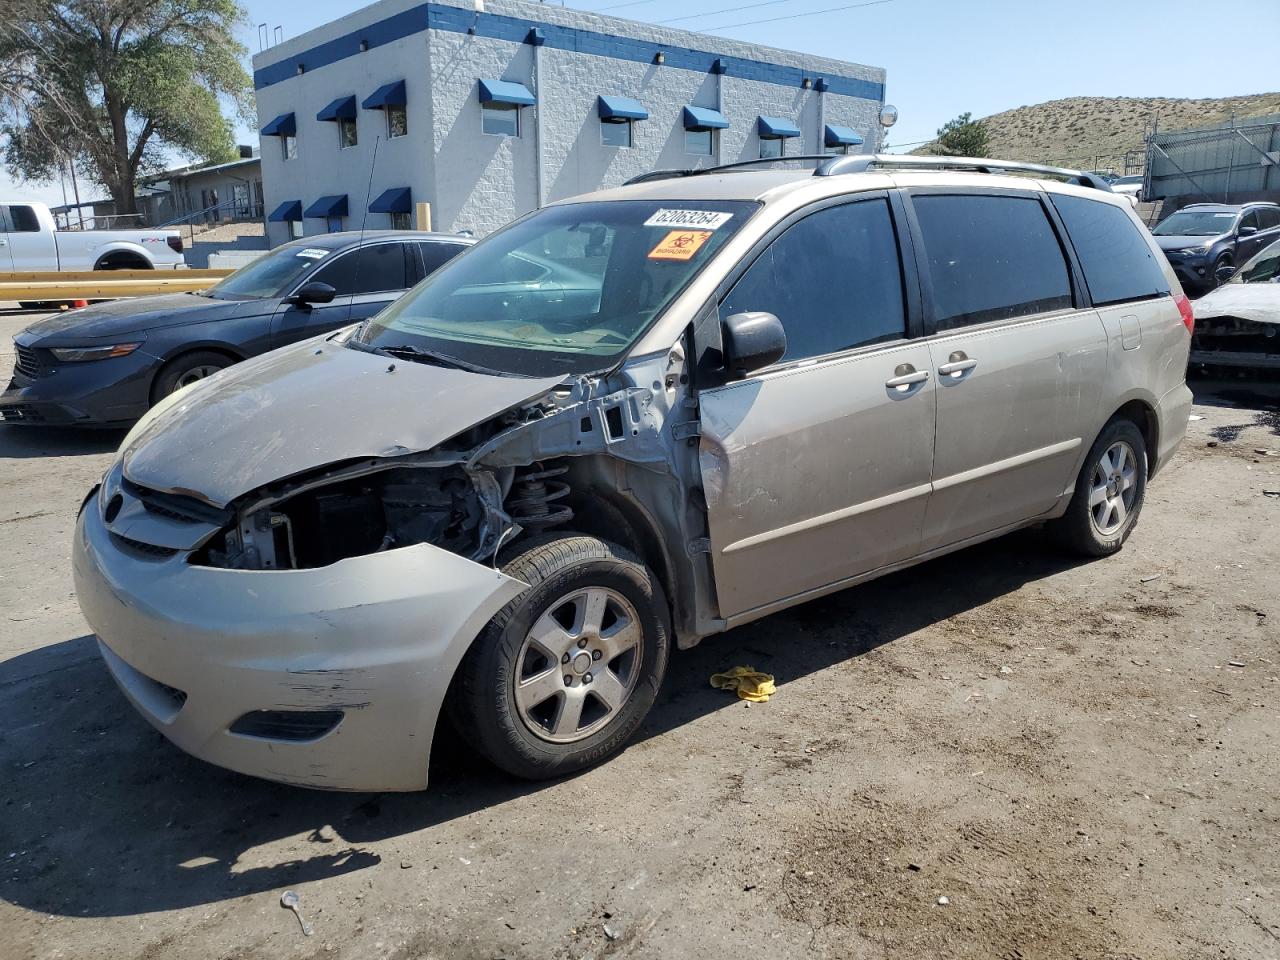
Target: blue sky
945	57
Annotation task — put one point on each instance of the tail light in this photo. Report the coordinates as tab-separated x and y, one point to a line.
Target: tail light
175	243
1184	308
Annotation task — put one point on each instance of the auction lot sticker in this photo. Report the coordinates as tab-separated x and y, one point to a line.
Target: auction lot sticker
689	219
680	245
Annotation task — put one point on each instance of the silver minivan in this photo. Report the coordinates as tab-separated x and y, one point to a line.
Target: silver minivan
620	424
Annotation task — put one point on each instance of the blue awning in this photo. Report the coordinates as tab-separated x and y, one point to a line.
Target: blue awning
282	126
841	136
387	95
395	200
328	207
620	108
344	108
289	210
503	91
704	118
776	128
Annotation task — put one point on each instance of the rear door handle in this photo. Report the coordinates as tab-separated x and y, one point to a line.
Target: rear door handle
906	376
957	364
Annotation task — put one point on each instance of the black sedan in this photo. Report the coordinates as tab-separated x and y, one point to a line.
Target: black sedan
105	365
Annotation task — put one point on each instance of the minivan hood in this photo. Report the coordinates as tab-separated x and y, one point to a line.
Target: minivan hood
129	316
1259	302
307	406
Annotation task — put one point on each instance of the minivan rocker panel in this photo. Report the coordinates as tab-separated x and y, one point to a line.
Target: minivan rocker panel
512	497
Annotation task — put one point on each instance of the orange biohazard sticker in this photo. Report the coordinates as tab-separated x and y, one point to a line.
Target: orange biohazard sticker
680	245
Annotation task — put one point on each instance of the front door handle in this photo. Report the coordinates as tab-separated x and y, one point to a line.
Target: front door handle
905	377
957	365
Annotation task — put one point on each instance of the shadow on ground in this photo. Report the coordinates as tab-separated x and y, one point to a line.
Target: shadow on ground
20	443
106	818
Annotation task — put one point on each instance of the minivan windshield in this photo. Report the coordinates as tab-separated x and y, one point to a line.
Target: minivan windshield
567	289
271	275
1197	223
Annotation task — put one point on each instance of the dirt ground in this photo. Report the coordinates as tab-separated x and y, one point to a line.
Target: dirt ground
1081	758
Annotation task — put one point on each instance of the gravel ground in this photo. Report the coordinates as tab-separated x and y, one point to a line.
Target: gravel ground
1080	758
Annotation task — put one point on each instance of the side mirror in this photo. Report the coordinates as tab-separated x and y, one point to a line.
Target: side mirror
313	292
752	341
1224	273
1247	231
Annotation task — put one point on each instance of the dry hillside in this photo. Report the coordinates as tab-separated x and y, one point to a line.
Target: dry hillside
1076	130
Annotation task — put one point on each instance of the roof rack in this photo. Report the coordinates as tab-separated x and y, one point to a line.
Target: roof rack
830	166
861	163
720	168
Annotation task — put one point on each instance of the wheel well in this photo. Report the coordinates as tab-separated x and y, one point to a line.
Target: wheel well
224	351
123	260
624	524
1144	418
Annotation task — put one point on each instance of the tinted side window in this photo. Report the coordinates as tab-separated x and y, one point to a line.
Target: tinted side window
1250	219
372	269
991	258
437	254
1268	217
23	220
1118	265
833	279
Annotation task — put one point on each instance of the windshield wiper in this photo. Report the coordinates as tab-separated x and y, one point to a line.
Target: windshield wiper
408	351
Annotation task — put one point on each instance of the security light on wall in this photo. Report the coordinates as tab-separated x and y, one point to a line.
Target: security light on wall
302	68
806	83
659	58
364	46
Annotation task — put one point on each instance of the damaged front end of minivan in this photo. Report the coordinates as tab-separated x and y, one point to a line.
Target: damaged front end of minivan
298	611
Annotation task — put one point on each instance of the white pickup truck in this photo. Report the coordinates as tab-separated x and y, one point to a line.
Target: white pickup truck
31	242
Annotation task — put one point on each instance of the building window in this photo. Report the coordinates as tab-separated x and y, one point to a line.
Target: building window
401	221
397	121
500	119
772	147
838	151
614	133
333	224
295	229
289	146
347	133
700	143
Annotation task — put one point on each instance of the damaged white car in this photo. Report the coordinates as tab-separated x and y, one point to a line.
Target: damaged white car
1238	324
621	424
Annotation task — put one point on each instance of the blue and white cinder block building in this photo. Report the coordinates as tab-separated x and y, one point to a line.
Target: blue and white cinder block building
487	109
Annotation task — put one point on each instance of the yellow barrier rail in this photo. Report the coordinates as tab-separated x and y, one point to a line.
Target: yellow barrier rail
103	284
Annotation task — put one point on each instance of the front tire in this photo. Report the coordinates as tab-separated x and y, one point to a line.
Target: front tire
187	369
564	674
1109	492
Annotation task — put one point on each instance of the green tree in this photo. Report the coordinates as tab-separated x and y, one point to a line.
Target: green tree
111	85
962	137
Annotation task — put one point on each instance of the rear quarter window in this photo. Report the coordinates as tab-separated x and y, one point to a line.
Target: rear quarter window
1117	261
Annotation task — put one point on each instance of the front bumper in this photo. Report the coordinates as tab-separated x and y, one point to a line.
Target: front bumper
113	392
1195	271
375	638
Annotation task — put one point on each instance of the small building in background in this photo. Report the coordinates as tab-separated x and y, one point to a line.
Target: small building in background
487	109
1235	163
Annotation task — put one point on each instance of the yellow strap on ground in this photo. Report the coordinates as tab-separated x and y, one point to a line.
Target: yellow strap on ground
750	683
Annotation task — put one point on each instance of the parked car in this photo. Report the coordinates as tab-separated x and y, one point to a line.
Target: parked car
105	365
1202	238
1238	324
782	385
1130	186
31	242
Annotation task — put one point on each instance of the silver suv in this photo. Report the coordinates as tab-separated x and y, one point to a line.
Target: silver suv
623	423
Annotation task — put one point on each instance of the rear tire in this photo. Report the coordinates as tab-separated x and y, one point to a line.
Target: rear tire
187	369
1109	492
594	614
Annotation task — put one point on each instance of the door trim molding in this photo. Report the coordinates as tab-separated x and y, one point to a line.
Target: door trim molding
835	516
1010	463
